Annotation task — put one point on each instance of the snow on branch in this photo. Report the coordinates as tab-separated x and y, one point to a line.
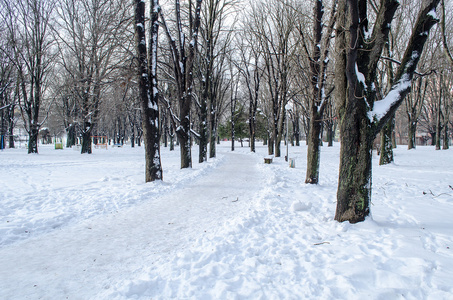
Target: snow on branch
382	110
397	92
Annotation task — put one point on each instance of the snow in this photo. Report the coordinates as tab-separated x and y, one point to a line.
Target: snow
360	76
88	227
433	14
381	107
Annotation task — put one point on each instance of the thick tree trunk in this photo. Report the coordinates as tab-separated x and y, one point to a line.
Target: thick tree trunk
172	142
33	139
11	125
183	134
445	145
148	88
232	133
86	139
278	152
276	141
296	128
270	145
354	186
212	134
313	152
386	143
252	128
252	141
11	137
412	128
438	130
203	140
330	134
71	136
355	73
203	129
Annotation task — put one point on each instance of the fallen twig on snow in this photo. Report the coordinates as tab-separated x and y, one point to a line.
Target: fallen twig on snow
317	244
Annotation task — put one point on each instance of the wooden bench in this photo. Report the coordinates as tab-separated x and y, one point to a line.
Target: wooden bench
268	160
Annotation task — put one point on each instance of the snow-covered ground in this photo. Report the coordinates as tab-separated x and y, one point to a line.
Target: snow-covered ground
87	227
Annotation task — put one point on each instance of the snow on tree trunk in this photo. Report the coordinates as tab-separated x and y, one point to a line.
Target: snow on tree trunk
313	151
148	88
361	117
354	185
33	139
386	156
318	66
86	138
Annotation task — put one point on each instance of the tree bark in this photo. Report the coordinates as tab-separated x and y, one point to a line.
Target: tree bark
439	116
313	151
359	121
86	139
318	101
183	62
445	145
386	156
148	88
412	129
33	139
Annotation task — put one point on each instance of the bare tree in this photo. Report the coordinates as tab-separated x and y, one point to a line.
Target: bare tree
414	104
89	36
361	116
252	73
28	29
183	58
215	39
275	33
8	92
149	94
318	60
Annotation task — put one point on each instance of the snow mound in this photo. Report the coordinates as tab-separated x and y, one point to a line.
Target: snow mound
300	206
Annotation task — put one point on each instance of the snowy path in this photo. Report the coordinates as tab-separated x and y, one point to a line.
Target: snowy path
78	261
232	228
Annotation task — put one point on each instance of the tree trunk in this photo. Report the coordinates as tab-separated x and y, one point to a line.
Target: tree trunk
213	133
11	137
147	77
252	141
270	144
203	130
33	139
203	140
445	145
71	136
438	128
412	128
354	186
330	134
172	142
11	126
313	151
232	133
252	128
296	128
276	141
386	156
86	139
355	73
439	114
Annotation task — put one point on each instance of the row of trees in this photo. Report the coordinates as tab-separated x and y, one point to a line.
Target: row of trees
201	65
